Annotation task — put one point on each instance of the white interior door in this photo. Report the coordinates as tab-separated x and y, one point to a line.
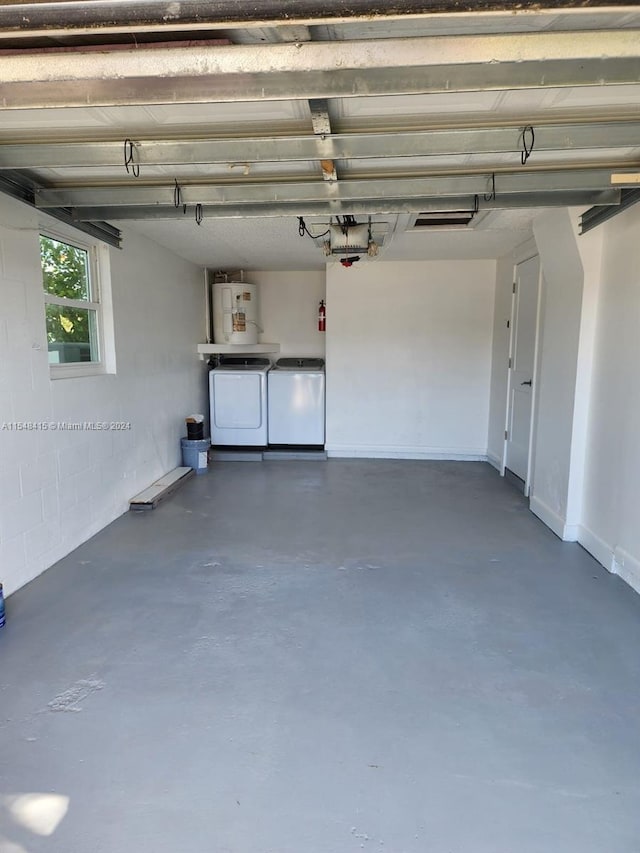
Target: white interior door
521	372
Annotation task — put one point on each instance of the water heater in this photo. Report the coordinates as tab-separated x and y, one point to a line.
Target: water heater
235	313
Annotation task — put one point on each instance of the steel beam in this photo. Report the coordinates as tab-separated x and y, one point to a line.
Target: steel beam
371	190
597	215
319	69
17	16
357	208
326	146
22	188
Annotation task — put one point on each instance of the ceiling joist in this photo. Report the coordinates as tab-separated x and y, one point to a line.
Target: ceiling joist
300	193
337	56
388	205
324	146
28	18
307	70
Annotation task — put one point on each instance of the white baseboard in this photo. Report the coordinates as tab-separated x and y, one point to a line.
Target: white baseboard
342	451
615	560
548	516
627	567
597	547
571	532
494	460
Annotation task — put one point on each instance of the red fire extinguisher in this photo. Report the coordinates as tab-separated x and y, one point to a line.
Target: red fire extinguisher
322	317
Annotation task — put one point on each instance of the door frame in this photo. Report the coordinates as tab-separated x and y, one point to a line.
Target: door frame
528	483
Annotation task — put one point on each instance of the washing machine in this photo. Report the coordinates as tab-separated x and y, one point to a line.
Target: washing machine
296	402
238	402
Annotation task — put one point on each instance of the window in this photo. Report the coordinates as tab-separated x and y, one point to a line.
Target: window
74	307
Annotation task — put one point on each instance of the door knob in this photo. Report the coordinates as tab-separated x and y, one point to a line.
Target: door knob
528	382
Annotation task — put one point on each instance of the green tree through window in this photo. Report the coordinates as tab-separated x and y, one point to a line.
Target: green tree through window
70	308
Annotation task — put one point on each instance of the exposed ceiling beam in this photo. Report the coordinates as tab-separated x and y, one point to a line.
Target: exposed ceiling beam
319	69
326	146
19	187
134	193
597	215
356	208
19	17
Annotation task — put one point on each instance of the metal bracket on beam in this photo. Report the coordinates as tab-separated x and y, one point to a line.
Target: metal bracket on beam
319	108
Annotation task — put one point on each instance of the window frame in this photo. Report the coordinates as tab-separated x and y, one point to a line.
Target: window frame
99	288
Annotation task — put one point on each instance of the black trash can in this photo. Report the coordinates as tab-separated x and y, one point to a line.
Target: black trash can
195	431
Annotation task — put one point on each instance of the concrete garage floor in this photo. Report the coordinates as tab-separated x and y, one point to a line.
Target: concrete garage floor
324	657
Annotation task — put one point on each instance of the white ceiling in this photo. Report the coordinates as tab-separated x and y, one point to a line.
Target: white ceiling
273	243
227	239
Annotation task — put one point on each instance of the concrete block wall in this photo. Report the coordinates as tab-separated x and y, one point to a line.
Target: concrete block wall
57	487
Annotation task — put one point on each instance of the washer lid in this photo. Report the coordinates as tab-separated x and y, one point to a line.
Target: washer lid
300	364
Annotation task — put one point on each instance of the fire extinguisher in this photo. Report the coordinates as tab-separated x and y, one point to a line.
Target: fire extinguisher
322	317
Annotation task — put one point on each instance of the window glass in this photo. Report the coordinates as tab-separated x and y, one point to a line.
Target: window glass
71	334
65	269
71	306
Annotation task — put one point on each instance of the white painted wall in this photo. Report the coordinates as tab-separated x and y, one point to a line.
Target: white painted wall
59	488
409	358
561	309
571	272
590	248
289	310
610	527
